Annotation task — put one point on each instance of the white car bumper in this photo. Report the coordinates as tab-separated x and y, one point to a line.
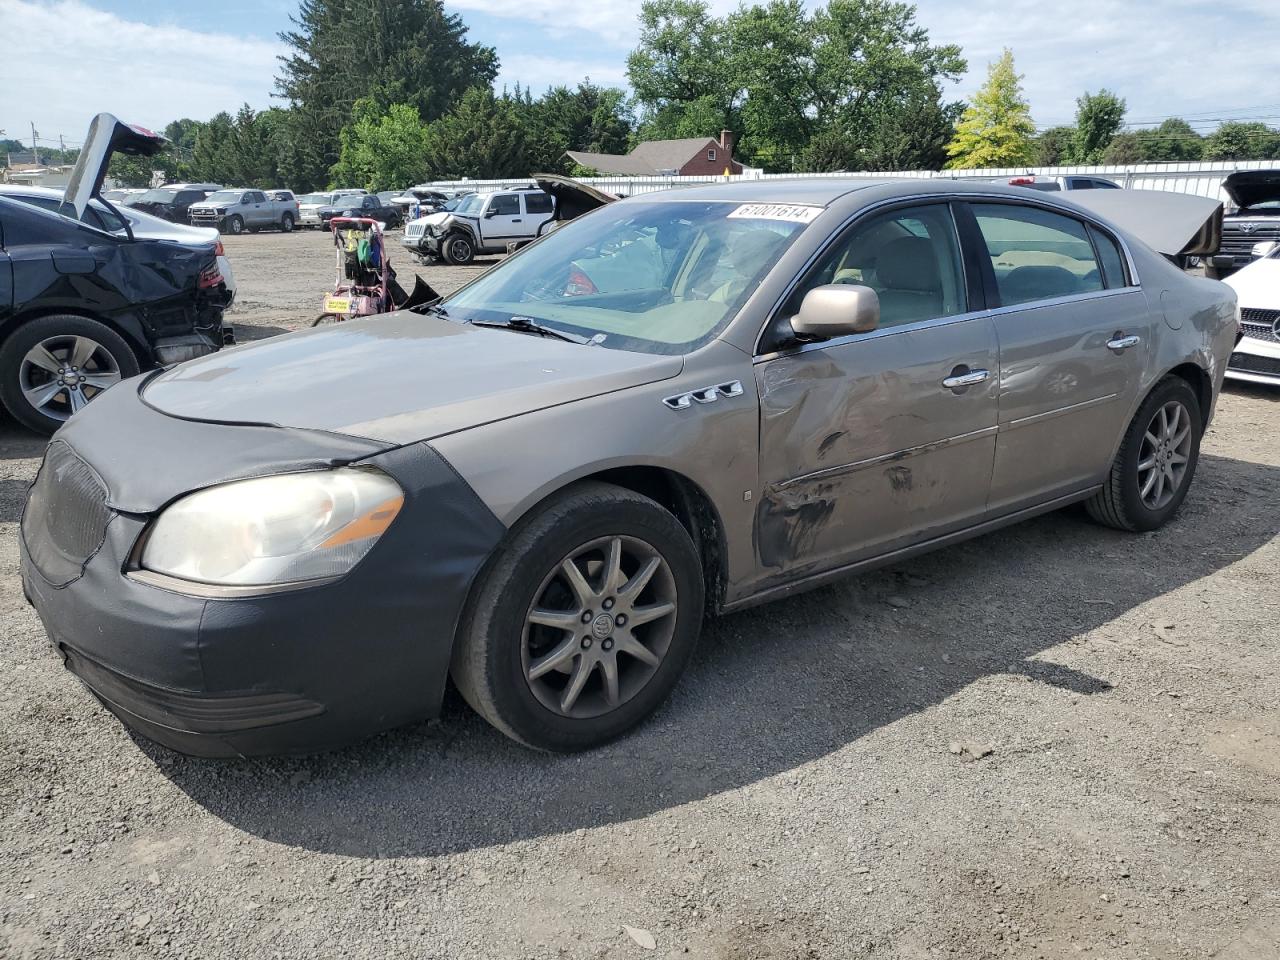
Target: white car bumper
1256	360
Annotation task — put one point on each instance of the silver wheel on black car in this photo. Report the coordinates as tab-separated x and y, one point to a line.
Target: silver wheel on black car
584	621
53	366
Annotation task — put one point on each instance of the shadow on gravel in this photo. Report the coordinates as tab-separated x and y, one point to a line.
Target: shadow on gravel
19	443
13	494
769	690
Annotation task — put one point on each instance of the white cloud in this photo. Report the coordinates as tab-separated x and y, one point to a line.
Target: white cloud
74	61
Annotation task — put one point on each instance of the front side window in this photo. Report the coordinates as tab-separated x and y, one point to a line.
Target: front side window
910	257
1037	254
654	277
505	205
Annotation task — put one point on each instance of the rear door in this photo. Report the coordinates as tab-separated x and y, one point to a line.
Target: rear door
538	208
1074	333
874	441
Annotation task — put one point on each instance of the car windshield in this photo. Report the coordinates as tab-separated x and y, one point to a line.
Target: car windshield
158	196
452	205
321	198
224	196
470	205
656	277
1264	205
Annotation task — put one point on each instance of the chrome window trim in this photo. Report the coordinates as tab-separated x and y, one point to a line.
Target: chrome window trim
1135	282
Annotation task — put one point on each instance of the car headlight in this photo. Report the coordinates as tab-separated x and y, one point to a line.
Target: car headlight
271	531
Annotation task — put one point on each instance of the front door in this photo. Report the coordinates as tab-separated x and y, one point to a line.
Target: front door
875	441
1074	335
503	220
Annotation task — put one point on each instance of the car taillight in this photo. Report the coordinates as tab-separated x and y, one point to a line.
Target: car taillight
579	284
209	277
218	251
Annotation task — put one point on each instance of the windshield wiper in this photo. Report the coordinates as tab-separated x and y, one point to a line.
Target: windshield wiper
529	325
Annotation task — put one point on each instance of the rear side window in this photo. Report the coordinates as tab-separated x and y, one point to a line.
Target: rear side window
505	204
1037	254
537	203
1110	259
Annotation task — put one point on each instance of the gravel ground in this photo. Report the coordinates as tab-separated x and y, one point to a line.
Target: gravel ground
1053	741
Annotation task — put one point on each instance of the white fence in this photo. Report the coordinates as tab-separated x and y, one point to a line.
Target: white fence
1200	179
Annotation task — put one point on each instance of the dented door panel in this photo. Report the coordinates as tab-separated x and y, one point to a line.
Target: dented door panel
863	449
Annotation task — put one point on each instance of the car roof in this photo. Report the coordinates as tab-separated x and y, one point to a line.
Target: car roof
822	191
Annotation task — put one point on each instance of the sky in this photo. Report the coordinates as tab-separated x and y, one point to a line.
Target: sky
152	61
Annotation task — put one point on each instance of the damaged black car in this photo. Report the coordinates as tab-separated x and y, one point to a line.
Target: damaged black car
82	308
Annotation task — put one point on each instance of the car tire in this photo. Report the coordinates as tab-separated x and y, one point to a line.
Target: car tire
286	223
235	225
458	249
582	628
25	379
1156	463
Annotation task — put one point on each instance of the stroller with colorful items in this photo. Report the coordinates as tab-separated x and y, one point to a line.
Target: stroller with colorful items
366	284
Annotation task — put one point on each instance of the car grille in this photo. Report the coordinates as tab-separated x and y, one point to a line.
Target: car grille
66	517
1260	324
414	229
1248	363
1238	243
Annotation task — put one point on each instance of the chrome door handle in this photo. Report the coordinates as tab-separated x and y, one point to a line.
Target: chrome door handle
1124	343
958	381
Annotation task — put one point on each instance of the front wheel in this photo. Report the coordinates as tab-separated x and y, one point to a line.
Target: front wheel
235	225
458	249
1156	462
584	622
53	366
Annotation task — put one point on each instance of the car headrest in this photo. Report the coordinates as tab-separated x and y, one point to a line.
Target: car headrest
1035	282
909	264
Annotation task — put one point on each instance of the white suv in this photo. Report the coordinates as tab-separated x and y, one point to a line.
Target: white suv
479	224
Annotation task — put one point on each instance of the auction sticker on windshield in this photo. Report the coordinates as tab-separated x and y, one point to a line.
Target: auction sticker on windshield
792	212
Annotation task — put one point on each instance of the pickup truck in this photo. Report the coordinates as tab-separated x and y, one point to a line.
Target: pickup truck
235	211
481	223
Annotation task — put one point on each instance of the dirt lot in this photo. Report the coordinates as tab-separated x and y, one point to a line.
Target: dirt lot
1053	741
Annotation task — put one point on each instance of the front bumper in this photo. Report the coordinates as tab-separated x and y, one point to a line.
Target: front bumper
206	218
1255	361
289	672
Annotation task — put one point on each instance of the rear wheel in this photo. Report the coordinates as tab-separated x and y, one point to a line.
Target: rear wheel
584	623
458	249
53	366
1156	463
286	223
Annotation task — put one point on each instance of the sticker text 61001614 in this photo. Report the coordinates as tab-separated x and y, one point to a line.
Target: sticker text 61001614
793	212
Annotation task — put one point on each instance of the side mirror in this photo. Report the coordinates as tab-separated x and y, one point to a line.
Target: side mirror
835	310
490	213
1265	248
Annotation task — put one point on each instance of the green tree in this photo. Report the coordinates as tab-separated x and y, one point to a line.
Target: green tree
588	117
387	51
996	129
1053	147
383	152
1172	141
834	86
1243	141
481	138
1099	117
1124	148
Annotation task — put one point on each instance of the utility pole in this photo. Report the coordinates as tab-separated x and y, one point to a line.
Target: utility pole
35	148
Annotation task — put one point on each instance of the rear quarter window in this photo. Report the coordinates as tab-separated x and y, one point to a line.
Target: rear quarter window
537	203
1110	259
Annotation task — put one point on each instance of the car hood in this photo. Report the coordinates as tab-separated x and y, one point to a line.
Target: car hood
1251	187
399	378
1257	286
107	137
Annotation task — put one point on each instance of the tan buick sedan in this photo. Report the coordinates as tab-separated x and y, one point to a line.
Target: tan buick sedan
680	403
